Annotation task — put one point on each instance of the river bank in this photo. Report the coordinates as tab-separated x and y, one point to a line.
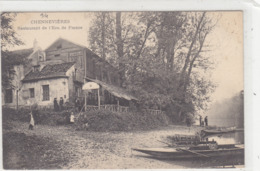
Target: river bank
62	147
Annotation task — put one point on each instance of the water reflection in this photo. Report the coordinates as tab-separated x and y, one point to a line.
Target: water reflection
230	138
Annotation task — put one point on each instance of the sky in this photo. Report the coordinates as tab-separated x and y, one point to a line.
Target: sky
226	42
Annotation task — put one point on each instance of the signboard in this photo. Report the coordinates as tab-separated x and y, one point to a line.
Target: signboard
90	86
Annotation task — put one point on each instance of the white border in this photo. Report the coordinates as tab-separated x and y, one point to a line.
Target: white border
251	11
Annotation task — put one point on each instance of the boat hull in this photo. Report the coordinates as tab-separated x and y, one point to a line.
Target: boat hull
174	154
213	132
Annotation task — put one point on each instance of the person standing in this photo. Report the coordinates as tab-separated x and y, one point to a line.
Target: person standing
56	105
31	125
35	113
61	103
200	120
206	121
72	118
77	105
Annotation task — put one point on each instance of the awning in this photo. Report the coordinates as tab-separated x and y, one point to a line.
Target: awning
115	90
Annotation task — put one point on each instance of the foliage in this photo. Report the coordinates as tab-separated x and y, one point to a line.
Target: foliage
190	119
12	114
9	38
43	117
163	55
103	120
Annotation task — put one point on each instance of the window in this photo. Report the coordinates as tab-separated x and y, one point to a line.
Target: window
40	58
31	92
78	53
45	93
8	96
57	55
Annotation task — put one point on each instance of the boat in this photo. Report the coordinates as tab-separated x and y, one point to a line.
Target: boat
221	131
179	139
222	151
184	141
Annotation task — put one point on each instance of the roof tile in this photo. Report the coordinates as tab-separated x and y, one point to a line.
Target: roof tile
49	71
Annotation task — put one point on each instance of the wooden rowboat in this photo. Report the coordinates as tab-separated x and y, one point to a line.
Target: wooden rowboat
211	132
229	150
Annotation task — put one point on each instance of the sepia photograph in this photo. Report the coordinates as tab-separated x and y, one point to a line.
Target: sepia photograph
122	90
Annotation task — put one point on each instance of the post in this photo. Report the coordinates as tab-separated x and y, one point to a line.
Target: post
117	104
86	101
85	96
17	105
98	99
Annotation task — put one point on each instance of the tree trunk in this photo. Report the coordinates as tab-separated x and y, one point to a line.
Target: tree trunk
103	35
120	47
187	60
192	62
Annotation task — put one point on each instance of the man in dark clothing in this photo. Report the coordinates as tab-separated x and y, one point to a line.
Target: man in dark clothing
200	120
77	104
56	105
206	120
61	103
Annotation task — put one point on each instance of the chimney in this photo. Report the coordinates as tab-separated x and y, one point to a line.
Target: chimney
35	45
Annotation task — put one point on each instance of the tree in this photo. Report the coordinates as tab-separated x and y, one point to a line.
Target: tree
162	56
9	38
103	42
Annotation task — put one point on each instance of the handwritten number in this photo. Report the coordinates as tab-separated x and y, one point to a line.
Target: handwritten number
44	15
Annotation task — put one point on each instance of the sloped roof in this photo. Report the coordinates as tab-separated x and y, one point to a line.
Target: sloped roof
49	71
63	39
94	56
98	59
115	90
18	56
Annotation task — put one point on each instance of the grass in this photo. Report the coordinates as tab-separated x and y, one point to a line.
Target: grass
21	151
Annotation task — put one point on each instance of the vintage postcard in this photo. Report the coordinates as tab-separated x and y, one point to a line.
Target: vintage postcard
122	90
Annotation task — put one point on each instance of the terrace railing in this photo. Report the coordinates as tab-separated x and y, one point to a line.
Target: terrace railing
114	108
110	107
122	109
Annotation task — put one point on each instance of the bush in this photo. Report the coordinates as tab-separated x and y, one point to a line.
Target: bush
98	120
53	118
44	117
12	114
190	119
103	120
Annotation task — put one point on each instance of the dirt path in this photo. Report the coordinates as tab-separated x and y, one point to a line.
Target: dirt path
99	150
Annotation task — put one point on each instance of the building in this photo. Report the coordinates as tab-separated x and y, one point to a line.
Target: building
60	71
11	96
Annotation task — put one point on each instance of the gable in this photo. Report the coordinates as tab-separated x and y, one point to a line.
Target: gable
62	44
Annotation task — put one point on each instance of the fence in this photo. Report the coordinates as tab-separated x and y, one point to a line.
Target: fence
122	109
113	108
45	108
154	112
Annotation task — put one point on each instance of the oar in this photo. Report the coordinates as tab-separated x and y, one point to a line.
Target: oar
193	152
165	143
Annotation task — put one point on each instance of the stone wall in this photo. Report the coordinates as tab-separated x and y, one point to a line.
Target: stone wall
57	88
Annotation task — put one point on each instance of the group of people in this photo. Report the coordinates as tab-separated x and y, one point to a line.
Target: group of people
58	106
205	122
